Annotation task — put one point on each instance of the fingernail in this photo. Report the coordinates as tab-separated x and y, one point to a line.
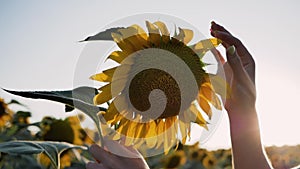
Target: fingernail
231	50
215	32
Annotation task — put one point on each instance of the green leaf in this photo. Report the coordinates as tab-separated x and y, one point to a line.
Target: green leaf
51	149
105	35
80	98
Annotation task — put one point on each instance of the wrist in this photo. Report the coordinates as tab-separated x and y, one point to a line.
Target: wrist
242	122
238	114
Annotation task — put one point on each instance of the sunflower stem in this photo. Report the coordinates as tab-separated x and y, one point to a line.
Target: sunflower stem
100	130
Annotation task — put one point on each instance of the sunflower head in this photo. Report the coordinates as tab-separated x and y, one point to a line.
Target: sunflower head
6	114
158	87
176	160
209	161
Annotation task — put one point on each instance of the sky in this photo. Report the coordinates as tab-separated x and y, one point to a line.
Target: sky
39	50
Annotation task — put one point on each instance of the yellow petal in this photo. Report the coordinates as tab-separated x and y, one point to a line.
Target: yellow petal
205	106
185	35
104	95
140	31
120	76
116	136
139	130
129	141
183	131
127	32
111	113
189	131
216	102
206	90
117	86
120	102
205	45
123	126
166	139
188	35
154	36
135	36
215	41
137	42
130	133
106	76
185	117
162	27
209	94
116	37
220	86
169	127
123	44
198	116
165	34
151	134
118	56
101	77
160	132
132	128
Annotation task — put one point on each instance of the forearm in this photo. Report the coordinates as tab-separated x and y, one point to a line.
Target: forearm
247	148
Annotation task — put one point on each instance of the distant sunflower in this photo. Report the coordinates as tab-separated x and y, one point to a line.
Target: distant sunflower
6	114
128	90
210	161
175	160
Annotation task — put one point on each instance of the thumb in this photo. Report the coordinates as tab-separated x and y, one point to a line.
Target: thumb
235	62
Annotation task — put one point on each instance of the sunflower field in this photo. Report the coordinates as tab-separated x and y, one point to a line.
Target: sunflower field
63	143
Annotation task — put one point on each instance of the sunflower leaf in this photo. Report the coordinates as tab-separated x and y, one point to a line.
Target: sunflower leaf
51	149
80	98
105	35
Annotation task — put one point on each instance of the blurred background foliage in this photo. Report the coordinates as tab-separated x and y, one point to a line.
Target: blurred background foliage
16	126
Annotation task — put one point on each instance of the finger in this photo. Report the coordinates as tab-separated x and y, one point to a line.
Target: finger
223	67
102	155
213	33
215	26
235	63
242	52
220	59
227	38
93	165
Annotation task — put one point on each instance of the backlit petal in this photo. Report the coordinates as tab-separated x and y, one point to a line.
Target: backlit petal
118	56
165	34
105	76
205	106
199	118
185	35
154	35
104	95
151	138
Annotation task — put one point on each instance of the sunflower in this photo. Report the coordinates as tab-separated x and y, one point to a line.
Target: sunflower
194	153
135	86
210	161
6	115
175	160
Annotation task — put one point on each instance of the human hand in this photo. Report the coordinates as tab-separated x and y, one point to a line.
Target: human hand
239	71
127	157
240	105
